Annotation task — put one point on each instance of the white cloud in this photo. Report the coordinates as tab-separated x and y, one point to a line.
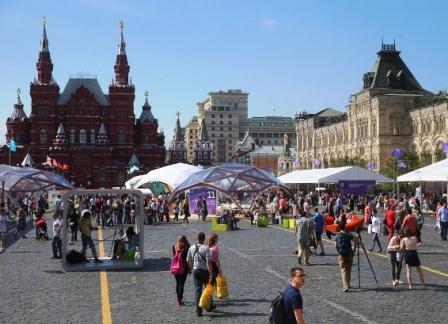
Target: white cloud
266	21
269	23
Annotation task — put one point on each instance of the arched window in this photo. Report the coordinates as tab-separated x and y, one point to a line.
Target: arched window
82	136
43	137
92	136
72	136
121	136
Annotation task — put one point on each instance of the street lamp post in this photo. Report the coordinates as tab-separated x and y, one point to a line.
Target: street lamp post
396	153
445	150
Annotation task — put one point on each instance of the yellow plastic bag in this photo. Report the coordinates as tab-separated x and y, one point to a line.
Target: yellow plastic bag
221	286
206	298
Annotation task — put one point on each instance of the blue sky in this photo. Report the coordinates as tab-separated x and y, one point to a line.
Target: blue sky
289	55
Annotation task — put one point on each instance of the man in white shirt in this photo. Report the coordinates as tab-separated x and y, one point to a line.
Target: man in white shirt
56	243
198	259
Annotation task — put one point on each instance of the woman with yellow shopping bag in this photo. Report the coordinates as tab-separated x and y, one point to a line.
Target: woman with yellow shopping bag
214	257
198	259
217	279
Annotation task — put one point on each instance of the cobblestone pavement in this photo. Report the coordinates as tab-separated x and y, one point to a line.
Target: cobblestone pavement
256	262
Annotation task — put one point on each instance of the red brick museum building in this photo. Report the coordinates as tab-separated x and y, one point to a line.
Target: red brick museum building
96	135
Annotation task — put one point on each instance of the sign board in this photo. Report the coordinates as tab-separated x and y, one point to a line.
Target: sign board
196	193
355	187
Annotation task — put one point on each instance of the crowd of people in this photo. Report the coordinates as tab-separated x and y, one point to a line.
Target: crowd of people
403	220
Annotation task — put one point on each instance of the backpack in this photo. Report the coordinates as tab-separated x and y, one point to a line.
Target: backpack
343	245
277	313
177	264
74	257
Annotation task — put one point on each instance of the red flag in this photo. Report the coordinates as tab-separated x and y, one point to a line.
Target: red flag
57	164
49	161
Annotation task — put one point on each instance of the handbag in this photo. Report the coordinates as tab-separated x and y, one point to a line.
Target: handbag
369	229
221	286
206	298
385	231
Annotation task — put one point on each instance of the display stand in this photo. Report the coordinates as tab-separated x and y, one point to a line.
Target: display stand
104	236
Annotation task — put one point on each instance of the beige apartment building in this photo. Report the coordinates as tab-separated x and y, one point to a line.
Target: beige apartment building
270	130
391	111
191	131
225	114
226	119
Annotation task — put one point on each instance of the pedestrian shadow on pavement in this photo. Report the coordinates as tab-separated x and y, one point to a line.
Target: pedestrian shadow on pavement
156	265
149	265
11	240
241	302
325	264
436	287
54	271
221	314
433	253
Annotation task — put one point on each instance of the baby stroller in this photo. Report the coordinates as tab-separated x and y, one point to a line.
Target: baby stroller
41	229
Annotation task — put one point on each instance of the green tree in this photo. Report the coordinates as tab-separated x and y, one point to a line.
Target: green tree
410	159
350	161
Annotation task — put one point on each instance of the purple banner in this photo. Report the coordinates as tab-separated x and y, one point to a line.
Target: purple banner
356	187
197	193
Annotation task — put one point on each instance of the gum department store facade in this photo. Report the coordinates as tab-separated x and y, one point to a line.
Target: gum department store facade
391	111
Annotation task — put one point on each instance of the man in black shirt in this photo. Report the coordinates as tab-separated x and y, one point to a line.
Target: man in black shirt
292	298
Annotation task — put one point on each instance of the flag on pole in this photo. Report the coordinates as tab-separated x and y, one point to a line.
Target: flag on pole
445	148
12	145
396	153
401	164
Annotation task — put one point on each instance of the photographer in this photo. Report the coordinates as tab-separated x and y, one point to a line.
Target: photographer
345	257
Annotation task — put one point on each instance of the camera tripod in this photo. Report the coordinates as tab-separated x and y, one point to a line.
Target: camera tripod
357	249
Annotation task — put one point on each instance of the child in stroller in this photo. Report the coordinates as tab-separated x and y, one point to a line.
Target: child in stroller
41	227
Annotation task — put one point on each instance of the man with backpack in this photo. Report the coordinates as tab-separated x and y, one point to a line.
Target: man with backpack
345	257
287	308
198	258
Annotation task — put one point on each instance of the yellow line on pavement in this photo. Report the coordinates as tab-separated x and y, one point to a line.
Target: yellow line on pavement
438	272
441	273
105	304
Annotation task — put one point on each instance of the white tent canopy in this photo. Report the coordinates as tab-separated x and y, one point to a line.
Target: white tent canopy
130	184
434	172
333	175
171	175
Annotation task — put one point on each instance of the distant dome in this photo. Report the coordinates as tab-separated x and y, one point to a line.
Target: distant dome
146	115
